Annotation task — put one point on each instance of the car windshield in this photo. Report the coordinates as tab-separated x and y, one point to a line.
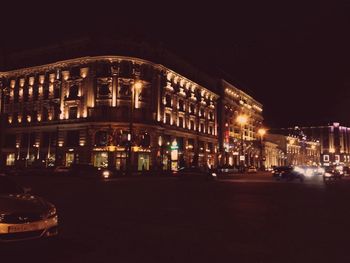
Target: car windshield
9	187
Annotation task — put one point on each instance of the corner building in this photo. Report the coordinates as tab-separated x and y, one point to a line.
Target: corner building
102	109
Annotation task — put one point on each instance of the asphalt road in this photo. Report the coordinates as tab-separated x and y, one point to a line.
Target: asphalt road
243	219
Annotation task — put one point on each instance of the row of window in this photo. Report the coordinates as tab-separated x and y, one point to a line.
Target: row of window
33	93
167	101
191	124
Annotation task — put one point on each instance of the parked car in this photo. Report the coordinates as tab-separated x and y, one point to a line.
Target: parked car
252	169
196	173
23	215
287	173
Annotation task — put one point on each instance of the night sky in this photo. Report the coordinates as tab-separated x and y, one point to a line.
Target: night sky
294	58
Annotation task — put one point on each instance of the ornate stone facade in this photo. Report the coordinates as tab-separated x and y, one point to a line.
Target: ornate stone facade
101	110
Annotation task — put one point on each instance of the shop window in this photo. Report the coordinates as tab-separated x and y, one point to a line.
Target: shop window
69	159
143	161
10	159
101	159
120	162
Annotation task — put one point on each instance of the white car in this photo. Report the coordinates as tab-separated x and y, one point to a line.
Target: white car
24	216
252	169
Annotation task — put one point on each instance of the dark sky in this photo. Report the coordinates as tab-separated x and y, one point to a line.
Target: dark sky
292	57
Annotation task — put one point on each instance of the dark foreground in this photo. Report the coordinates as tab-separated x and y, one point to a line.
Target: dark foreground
167	220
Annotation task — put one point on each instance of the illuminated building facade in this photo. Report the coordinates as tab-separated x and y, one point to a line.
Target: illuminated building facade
104	110
234	103
296	150
334	142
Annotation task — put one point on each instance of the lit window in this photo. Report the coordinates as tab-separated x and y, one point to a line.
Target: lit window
10	159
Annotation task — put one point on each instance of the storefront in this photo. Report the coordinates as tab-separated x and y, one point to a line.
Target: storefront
100	159
143	161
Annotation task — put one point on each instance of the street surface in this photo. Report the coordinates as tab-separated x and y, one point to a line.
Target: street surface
249	218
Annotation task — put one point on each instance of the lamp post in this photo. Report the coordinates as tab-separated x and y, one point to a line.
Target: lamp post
134	90
242	120
160	143
262	132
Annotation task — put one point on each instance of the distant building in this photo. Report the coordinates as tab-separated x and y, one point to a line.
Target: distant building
334	141
296	150
273	155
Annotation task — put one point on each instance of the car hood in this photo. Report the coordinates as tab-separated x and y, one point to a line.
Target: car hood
22	203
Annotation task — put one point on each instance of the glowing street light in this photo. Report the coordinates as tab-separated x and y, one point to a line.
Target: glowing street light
242	120
262	132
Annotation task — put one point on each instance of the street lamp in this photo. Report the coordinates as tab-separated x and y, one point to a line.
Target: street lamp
160	143
262	132
242	120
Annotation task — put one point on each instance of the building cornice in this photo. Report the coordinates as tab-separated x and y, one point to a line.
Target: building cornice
88	59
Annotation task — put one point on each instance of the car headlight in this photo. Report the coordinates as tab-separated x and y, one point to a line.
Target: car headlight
106	174
321	170
214	174
52	212
327	174
309	172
